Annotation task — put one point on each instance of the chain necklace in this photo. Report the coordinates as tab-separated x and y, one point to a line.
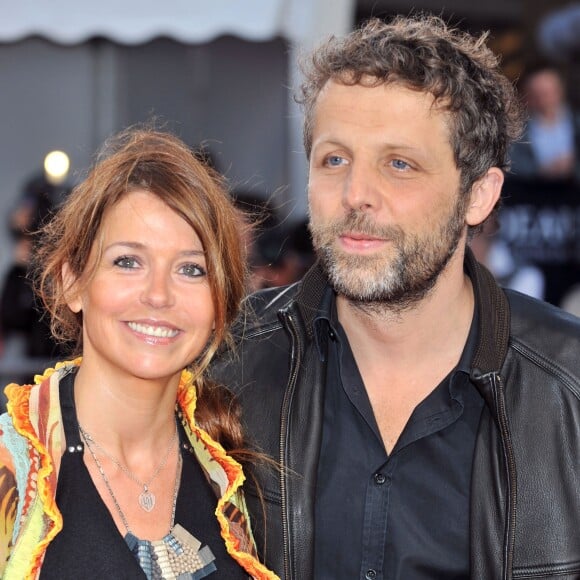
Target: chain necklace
146	497
178	554
89	441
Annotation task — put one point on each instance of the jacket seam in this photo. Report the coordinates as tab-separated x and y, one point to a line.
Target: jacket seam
280	295
511	475
548	365
266	495
541	571
260	330
295	357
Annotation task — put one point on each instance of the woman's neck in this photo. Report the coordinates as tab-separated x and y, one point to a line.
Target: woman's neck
124	411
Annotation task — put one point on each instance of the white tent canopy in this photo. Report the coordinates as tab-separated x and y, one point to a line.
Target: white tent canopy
188	21
135	22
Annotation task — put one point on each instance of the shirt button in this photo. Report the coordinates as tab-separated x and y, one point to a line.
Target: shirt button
380	479
371	574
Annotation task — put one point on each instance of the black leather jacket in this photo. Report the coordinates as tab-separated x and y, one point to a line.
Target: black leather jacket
525	490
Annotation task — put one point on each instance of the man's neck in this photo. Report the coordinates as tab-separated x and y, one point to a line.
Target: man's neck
403	355
436	326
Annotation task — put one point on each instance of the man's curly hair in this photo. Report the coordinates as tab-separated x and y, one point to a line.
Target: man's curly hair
423	53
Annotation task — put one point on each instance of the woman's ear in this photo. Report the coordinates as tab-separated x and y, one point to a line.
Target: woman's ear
485	193
70	289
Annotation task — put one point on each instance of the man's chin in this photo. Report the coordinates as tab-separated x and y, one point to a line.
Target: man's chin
387	287
352	288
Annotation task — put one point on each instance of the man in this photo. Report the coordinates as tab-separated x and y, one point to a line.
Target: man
426	422
549	145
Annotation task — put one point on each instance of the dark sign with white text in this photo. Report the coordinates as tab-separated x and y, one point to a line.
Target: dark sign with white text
540	222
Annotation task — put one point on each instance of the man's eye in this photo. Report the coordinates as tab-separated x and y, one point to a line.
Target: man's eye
334	161
400	164
126	262
192	270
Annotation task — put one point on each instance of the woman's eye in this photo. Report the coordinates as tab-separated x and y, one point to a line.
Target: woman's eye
126	262
400	164
192	270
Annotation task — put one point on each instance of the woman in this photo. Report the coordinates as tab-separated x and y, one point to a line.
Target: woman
113	465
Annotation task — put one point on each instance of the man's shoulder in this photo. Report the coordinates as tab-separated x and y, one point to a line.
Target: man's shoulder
270	300
528	312
261	311
544	332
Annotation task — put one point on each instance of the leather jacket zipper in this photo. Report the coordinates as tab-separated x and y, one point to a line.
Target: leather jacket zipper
294	365
498	389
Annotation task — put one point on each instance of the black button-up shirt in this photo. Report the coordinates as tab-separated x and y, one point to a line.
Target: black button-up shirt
403	516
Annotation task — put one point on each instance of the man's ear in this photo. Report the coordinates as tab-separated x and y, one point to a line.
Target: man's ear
70	289
484	195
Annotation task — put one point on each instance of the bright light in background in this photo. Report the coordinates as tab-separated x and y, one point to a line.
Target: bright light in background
56	166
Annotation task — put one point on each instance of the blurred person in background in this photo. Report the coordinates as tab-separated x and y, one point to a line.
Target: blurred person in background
277	255
260	232
126	462
283	255
20	318
559	33
550	145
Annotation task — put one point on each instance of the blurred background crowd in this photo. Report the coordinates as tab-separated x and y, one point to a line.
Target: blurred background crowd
220	75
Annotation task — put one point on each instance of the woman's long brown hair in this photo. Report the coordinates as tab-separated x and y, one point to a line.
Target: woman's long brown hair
163	165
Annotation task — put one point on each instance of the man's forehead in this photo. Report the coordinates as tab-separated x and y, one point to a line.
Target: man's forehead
349	80
343	85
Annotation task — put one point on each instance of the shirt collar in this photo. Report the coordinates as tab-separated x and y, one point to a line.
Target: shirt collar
464	364
326	323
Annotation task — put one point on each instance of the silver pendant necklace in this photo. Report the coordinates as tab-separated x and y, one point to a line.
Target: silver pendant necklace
146	498
178	554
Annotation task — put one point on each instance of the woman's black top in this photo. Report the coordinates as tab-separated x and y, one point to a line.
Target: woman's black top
90	545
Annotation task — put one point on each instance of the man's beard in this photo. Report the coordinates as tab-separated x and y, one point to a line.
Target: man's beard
400	276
